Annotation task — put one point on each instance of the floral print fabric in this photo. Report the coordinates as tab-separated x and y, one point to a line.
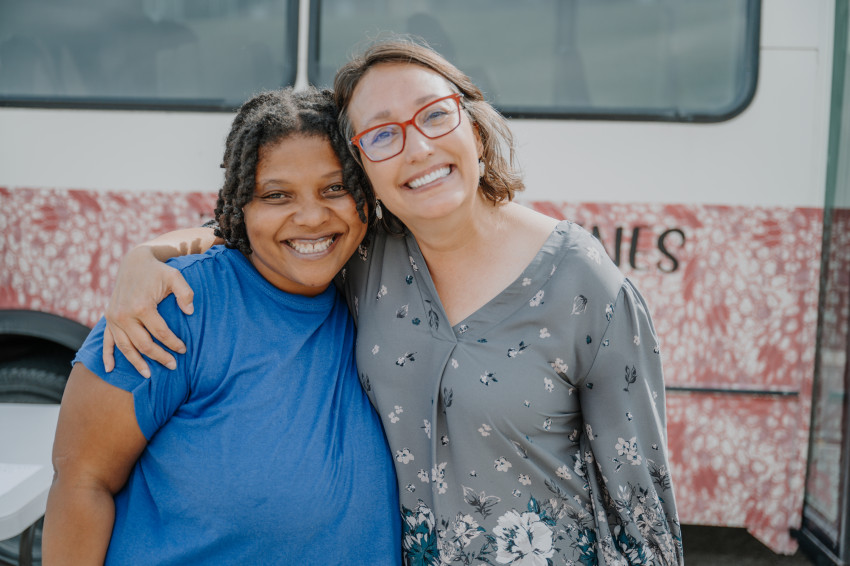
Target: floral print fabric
530	433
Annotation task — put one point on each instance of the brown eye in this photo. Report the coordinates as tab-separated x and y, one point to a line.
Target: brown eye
336	190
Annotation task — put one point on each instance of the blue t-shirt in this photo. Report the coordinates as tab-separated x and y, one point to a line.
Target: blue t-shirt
262	446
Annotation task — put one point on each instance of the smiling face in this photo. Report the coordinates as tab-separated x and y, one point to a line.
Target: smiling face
430	178
302	224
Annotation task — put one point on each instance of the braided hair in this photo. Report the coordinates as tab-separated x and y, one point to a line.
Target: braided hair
267	119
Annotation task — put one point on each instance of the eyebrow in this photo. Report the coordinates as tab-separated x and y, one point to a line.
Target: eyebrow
384	114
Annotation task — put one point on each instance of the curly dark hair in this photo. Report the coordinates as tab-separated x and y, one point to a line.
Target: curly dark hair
268	118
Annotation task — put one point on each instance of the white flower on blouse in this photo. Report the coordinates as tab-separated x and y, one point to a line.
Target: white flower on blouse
413	263
382	292
423	476
547	424
526	281
398	409
537	299
523	540
465	529
637	340
524	479
502	465
438	471
426	427
548	385
628	448
375	349
454	363
563	472
559	366
594	254
404	456
624	446
516	493
393	418
544	333
484	429
438	475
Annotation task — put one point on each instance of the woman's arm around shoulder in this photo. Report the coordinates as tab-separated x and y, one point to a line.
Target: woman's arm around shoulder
98	441
143	281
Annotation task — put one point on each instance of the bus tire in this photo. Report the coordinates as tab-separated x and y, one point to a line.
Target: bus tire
33	380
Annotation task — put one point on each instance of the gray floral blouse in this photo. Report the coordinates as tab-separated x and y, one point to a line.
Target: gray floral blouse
531	433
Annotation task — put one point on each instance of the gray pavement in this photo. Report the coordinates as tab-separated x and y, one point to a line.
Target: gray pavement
720	546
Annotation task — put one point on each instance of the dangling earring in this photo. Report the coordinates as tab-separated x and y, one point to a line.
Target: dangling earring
481	168
378	212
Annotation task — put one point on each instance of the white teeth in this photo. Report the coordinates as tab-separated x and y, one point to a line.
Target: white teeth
311	246
430	177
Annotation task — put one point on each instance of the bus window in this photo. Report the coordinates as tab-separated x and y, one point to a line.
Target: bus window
619	59
144	53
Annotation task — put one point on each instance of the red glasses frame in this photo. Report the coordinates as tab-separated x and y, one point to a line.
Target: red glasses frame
403	125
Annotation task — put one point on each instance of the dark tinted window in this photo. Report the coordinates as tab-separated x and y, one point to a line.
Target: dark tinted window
145	52
668	59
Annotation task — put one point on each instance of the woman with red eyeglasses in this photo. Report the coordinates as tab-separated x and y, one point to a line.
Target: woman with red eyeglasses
516	371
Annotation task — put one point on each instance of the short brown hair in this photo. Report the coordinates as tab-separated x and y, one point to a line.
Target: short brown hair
501	177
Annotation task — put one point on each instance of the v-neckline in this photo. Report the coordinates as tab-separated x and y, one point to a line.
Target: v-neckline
523	289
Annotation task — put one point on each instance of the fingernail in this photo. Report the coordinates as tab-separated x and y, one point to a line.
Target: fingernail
171	365
190	309
146	374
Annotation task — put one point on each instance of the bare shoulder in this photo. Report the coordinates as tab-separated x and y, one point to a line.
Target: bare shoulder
531	227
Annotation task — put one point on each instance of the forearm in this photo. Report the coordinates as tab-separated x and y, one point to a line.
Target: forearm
180	242
78	523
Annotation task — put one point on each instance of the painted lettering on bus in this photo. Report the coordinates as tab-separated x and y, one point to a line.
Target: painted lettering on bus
669	263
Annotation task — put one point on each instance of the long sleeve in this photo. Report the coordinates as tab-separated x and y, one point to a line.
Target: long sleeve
625	440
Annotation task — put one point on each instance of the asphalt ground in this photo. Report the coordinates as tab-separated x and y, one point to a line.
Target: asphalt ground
722	546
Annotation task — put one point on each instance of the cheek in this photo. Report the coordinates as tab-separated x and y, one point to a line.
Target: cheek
378	176
348	213
261	224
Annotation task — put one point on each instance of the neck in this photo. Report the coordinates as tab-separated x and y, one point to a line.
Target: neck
462	232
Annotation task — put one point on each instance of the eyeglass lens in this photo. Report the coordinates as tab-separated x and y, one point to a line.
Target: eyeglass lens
435	120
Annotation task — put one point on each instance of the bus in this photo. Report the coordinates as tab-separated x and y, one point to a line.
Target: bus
703	142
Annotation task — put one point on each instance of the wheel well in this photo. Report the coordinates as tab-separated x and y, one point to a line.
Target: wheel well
29	333
17	347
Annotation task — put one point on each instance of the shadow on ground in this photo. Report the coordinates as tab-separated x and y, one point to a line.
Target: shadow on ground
716	546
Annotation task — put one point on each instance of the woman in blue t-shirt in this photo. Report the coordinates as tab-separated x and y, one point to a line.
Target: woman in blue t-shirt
261	447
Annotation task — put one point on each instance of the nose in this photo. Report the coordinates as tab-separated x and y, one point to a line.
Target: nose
313	212
416	144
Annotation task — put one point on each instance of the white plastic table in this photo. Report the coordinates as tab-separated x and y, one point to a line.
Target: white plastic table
26	472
